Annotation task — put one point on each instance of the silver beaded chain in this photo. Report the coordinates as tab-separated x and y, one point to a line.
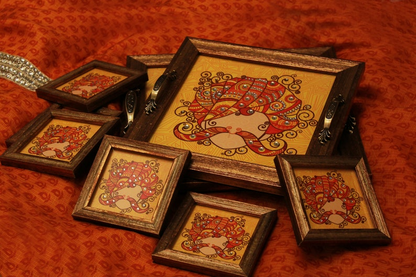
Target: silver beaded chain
21	72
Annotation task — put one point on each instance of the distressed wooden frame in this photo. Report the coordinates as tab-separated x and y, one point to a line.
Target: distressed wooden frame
165	254
134	79
102	111
305	234
74	168
161	61
244	174
179	160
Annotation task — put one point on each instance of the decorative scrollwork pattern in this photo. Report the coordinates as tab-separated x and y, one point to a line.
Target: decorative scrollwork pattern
329	200
216	236
242	114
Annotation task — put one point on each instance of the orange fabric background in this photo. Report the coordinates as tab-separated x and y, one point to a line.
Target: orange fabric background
38	236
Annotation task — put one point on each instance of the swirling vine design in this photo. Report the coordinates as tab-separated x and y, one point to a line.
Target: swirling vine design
216	236
330	200
252	114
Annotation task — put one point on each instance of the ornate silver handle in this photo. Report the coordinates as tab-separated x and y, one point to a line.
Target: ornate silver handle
130	103
325	134
151	104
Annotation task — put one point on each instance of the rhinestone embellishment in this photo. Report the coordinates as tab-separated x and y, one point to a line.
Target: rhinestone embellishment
21	72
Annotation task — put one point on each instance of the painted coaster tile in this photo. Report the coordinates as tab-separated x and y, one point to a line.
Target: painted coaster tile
215	236
331	200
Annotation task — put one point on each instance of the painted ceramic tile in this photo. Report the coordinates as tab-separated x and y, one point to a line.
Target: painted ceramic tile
216	234
91	83
131	185
61	140
333	199
244	112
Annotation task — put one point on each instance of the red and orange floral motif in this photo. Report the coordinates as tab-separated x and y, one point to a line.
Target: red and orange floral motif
216	236
241	113
91	84
60	142
330	200
131	186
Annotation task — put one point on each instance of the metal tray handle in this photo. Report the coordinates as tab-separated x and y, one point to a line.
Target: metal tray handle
325	134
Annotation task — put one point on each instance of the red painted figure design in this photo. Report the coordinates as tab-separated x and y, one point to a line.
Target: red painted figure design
330	200
241	113
216	236
90	85
131	186
61	142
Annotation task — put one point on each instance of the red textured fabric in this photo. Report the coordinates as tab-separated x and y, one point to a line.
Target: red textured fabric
38	236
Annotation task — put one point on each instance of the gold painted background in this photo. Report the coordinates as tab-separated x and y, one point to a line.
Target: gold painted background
163	173
315	89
